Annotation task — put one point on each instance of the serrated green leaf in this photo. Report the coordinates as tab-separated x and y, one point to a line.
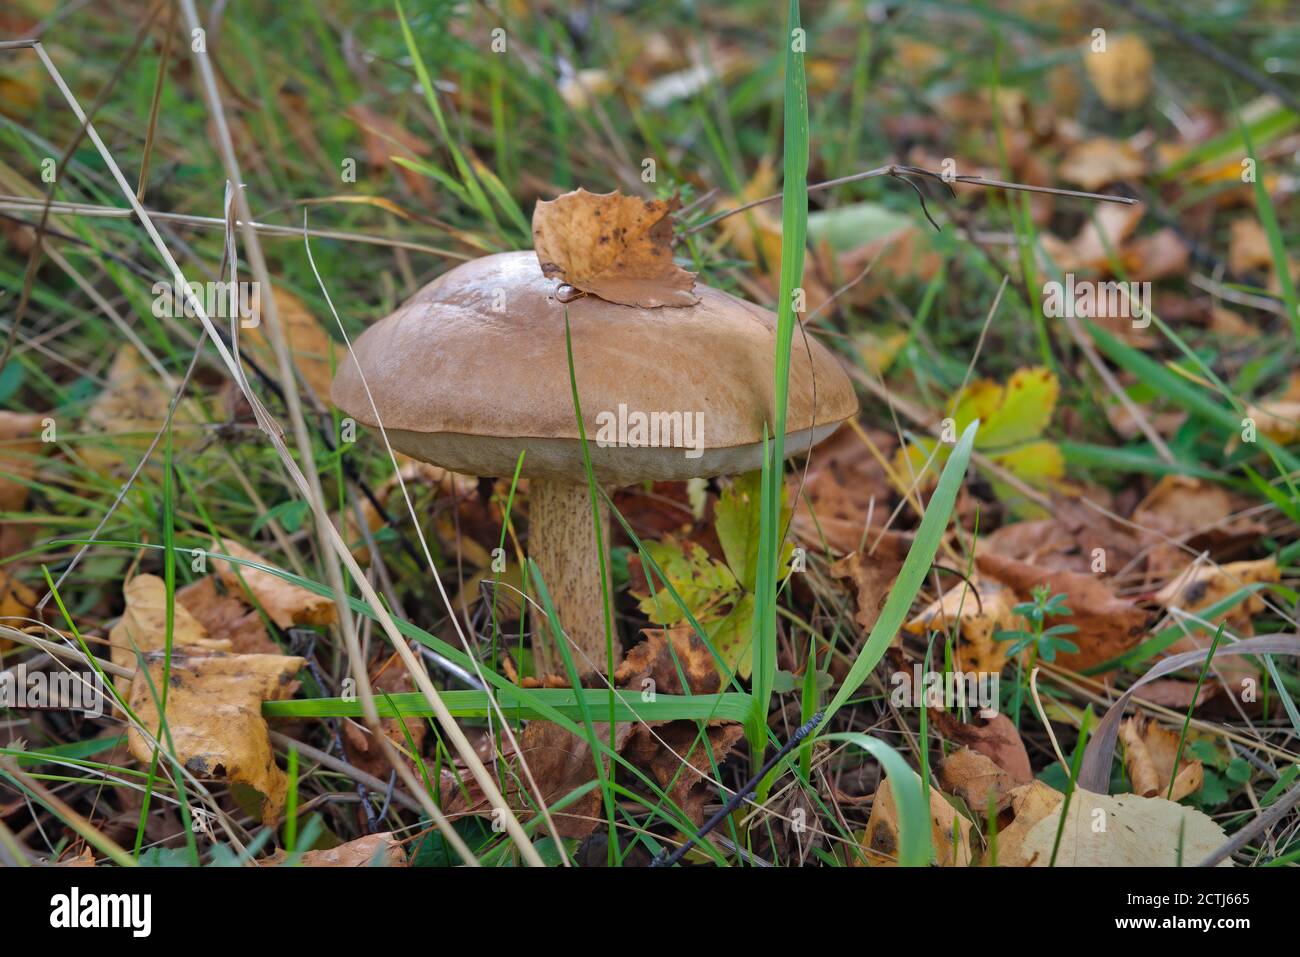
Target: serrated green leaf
706	586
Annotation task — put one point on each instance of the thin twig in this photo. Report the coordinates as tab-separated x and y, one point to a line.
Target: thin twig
738	798
900	171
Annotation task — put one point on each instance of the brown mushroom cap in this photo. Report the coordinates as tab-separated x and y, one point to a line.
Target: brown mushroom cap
473	369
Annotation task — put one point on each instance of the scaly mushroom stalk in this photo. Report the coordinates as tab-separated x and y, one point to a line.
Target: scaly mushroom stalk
562	540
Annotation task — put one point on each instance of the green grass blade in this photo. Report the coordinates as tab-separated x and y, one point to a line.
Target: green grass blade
914	846
794	225
915	567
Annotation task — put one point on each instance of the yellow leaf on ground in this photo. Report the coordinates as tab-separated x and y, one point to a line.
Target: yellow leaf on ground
285	604
128	413
1039	463
1030	803
143	626
1026	407
214	718
1201	585
1248	248
1102	236
1012	419
981	608
1278	419
1121	73
20	445
979	400
949	832
617	247
755	233
16	602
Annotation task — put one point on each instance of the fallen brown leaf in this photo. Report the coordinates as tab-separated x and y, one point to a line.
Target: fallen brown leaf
373	850
20	448
285	604
362	750
1248	248
1182	512
561	762
383	138
1149	752
872	575
846	484
996	738
310	345
1159	255
127	414
1279	419
680	762
1099	161
659	655
1105	231
617	247
977	780
227	618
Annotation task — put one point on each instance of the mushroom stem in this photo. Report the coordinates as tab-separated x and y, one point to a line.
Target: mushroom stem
562	540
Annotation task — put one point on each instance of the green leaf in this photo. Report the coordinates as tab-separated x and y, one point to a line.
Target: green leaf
733	637
855	225
704	585
739	515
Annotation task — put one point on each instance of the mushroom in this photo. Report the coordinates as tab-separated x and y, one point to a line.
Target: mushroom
474	369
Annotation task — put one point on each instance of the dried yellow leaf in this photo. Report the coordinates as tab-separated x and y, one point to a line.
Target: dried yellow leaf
214	718
143	626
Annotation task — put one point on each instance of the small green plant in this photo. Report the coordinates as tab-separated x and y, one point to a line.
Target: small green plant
1041	642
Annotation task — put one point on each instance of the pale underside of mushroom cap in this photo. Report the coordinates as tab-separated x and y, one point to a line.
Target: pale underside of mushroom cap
473	369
